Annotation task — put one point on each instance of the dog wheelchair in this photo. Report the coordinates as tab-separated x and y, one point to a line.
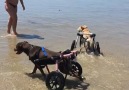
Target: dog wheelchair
64	64
95	47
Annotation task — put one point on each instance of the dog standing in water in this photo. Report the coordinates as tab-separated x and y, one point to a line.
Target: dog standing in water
88	36
86	32
38	55
41	56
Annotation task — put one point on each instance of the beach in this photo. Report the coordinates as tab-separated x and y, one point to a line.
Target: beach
53	24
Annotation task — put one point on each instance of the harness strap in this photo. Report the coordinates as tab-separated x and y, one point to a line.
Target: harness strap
44	51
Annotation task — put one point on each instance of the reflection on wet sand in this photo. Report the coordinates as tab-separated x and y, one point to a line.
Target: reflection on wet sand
11	45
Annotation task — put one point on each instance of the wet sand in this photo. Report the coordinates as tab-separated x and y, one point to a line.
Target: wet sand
101	72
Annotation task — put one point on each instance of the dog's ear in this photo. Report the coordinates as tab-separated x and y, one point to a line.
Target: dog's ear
19	45
25	42
82	27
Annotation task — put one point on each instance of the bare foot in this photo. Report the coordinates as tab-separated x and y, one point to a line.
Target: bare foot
14	33
8	35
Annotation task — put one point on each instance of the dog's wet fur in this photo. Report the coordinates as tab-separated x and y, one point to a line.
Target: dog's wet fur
36	53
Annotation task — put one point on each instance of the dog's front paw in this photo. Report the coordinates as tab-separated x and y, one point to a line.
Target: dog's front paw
32	73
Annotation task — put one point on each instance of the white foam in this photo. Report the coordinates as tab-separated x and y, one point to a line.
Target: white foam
8	35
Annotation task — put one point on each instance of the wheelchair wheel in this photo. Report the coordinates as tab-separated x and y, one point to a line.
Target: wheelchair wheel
73	45
55	81
76	69
97	48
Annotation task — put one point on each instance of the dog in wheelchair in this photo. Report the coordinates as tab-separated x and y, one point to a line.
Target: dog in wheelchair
87	41
39	56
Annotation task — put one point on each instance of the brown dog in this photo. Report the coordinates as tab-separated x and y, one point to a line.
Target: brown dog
87	35
86	32
38	55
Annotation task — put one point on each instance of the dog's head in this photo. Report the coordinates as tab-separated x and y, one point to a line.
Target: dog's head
21	46
81	28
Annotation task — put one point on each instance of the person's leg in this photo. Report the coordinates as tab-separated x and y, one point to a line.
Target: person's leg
13	19
14	23
9	10
9	25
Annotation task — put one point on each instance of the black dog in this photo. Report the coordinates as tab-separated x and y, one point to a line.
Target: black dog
38	55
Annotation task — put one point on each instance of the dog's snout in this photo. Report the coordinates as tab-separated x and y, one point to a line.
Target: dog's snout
15	49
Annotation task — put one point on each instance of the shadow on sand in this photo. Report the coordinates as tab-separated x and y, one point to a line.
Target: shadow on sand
75	84
27	36
37	75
